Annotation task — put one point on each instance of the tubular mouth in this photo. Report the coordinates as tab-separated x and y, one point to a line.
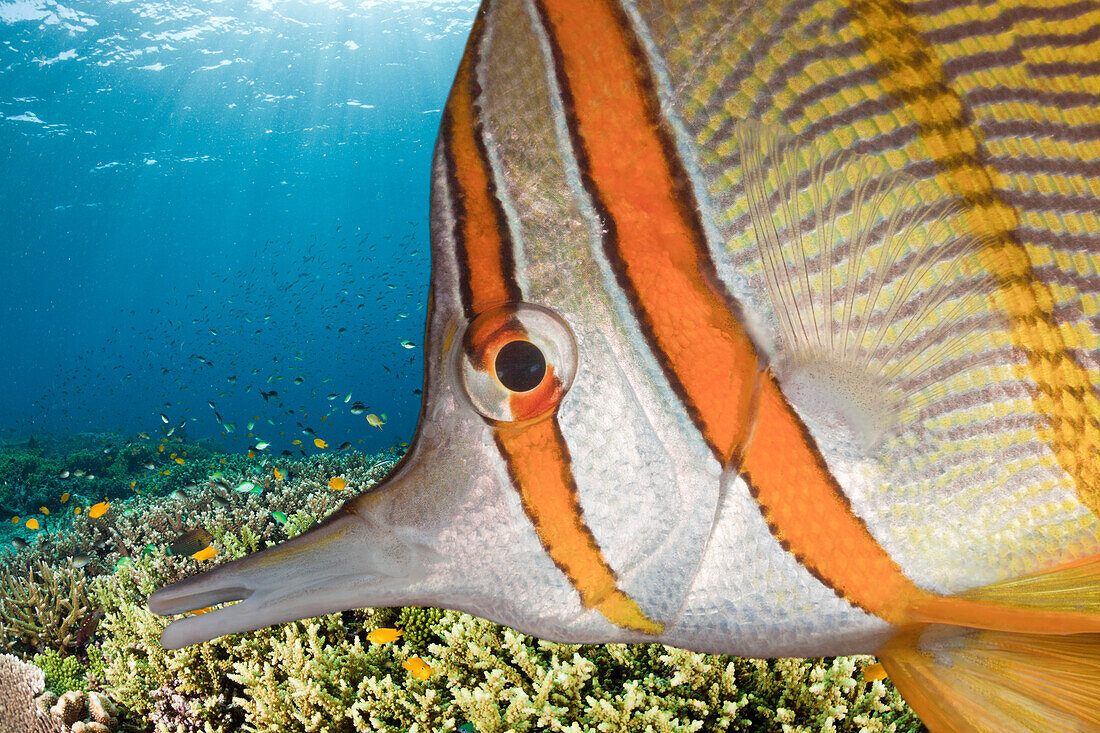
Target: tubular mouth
334	566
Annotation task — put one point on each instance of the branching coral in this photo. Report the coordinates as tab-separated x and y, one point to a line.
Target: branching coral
43	609
190	680
63	673
506	681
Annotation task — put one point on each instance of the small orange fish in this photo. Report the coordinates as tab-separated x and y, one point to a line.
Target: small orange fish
375	420
278	475
15	520
180	461
76	510
98	510
384	636
872	672
44	510
337	483
133	484
251	453
65	497
295	442
418	668
320	443
206	554
32	523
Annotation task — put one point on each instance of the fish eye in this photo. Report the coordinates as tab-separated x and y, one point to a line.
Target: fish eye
515	362
520	366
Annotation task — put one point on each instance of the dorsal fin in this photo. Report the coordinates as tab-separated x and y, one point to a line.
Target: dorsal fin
876	293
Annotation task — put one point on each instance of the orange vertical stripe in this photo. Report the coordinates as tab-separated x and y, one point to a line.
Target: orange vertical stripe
536	454
539	463
655	240
485	254
810	516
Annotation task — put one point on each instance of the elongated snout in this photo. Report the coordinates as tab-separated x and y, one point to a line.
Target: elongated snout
351	560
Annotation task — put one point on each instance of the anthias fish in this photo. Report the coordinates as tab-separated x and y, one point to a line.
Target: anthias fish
768	330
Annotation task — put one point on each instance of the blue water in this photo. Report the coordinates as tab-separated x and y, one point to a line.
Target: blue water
202	201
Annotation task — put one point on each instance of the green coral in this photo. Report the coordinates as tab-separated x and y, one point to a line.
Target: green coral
96	663
43	609
63	673
421	626
90	461
503	680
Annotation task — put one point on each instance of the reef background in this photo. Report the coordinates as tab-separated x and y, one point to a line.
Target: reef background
209	201
217	268
98	666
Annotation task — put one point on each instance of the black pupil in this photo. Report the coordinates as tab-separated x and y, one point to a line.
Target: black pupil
520	366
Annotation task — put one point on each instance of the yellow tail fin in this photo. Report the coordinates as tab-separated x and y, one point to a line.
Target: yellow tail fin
1020	655
996	681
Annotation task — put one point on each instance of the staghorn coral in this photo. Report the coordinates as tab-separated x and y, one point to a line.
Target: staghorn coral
503	680
500	680
172	709
312	679
43	609
360	470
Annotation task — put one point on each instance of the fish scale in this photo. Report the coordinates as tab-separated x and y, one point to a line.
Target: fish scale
814	289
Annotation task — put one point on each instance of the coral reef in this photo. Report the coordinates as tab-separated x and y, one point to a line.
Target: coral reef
80	712
42	610
503	680
322	674
63	673
19	683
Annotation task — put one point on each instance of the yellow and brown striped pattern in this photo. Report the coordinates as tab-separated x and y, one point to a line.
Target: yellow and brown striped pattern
992	107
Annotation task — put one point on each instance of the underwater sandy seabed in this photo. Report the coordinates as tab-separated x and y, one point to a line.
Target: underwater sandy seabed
94	523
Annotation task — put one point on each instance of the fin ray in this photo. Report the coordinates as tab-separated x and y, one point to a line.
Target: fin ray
862	273
991	680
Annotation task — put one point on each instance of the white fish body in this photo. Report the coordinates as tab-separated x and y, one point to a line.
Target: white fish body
739	343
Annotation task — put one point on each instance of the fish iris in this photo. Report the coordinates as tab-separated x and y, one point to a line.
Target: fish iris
520	366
